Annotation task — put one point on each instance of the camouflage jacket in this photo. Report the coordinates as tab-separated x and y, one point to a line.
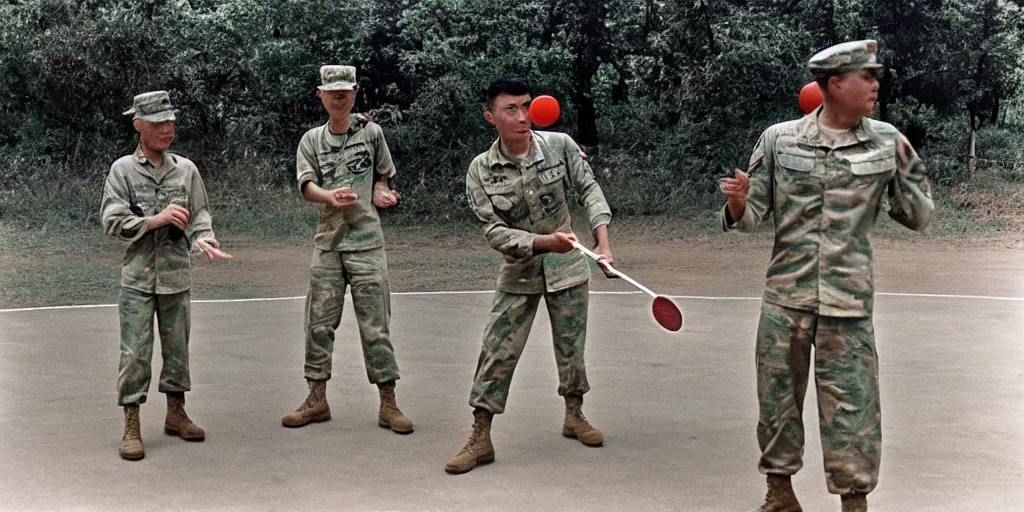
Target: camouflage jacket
517	202
157	260
825	201
356	159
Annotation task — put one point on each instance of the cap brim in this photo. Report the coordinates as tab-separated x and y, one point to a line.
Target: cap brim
338	87
818	71
159	117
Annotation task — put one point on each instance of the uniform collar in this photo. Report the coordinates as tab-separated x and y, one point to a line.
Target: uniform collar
808	133
356	122
141	159
536	154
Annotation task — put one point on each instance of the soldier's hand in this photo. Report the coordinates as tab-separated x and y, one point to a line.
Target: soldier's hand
174	215
212	251
735	187
605	260
384	198
562	242
341	197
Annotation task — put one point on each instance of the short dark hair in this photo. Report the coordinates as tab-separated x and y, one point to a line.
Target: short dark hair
822	81
510	84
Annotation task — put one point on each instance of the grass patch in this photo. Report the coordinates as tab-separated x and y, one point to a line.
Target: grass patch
53	249
47	282
282	218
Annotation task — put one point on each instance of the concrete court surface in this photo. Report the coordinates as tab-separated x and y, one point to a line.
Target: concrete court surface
678	412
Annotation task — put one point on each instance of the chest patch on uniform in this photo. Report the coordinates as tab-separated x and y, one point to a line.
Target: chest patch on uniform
359	161
551	174
497	180
502	203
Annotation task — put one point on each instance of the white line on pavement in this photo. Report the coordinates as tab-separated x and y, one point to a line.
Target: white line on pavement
481	292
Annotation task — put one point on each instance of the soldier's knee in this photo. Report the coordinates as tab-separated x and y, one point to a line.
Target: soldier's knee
369	286
322	332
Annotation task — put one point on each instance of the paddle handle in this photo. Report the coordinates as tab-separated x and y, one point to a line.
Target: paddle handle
612	269
753	167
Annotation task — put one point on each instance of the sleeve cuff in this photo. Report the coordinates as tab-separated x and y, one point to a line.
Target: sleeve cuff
131	234
306	178
747	223
206	236
390	175
600	219
728	224
525	249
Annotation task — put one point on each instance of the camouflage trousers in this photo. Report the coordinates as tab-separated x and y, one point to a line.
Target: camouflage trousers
846	379
366	273
136	310
505	337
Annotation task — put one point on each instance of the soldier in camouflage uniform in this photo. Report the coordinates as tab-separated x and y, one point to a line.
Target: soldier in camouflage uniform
346	165
825	177
519	190
156	201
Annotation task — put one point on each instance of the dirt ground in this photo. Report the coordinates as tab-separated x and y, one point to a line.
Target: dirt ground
678	409
721	266
84	270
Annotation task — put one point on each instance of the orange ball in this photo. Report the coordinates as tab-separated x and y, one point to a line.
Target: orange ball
810	97
544	110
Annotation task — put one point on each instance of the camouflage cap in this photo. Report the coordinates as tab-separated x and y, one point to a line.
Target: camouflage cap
338	78
154	107
845	57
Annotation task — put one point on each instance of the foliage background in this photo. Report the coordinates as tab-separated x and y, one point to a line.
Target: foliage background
664	95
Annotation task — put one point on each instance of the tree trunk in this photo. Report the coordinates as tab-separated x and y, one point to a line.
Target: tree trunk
586	121
831	32
620	91
588	58
885	95
708	30
972	156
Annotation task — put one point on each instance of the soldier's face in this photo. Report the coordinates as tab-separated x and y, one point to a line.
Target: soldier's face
155	136
337	103
511	116
857	91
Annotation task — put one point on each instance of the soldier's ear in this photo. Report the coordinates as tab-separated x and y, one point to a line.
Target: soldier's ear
488	116
138	125
835	82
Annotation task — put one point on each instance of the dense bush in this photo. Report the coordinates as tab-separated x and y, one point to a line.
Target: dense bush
664	95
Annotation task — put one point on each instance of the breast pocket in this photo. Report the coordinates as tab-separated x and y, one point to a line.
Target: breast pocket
796	160
873	164
794	170
359	160
552	188
507	202
332	169
144	203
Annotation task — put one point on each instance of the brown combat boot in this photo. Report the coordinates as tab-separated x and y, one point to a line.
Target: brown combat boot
177	422
478	449
314	409
131	443
855	502
390	416
576	424
780	496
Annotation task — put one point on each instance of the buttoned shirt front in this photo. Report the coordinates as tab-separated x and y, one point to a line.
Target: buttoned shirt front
519	199
355	159
825	200
157	260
